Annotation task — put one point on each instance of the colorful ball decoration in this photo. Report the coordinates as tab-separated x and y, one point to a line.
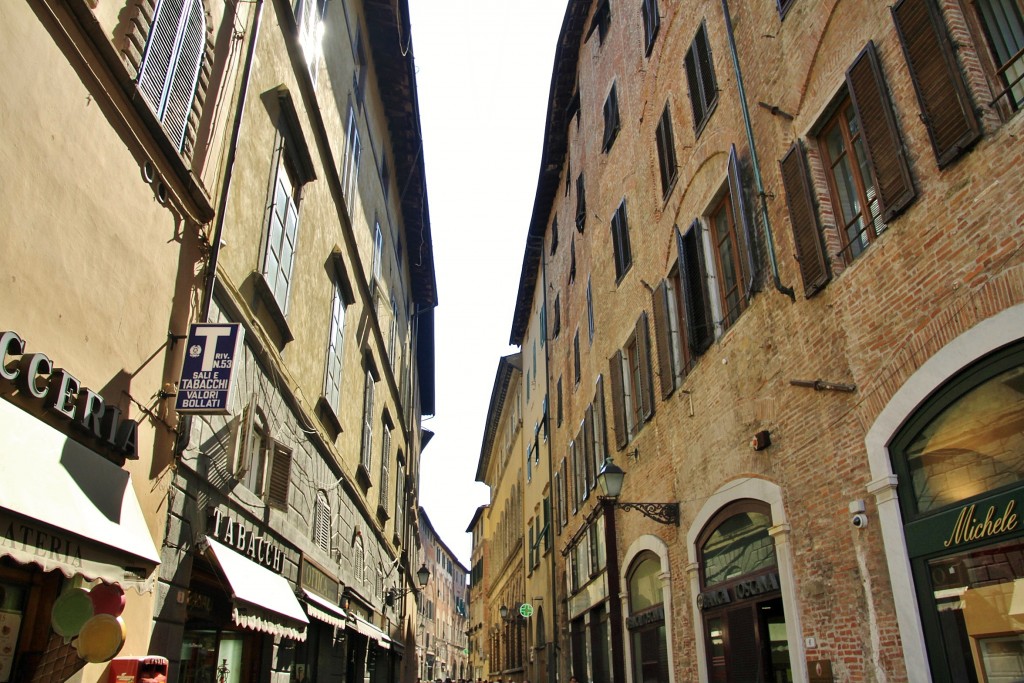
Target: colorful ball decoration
92	619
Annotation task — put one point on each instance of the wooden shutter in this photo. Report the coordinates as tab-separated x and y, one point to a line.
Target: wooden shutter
696	102
322	522
945	105
618	407
588	440
156	62
745	226
182	86
662	338
600	449
882	140
643	348
692	280
570	481
581	206
806	232
280	476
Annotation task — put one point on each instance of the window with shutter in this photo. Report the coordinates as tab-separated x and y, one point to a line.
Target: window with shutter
280	477
664	340
700	331
581	204
1003	24
563	508
322	522
169	72
335	350
257	447
590	312
620	242
618	399
587	436
576	357
554	236
350	160
810	253
571	477
729	270
700	76
743	225
282	232
666	146
611	119
600	448
884	148
941	91
579	461
652	20
558	408
643	387
572	260
367	444
399	498
385	471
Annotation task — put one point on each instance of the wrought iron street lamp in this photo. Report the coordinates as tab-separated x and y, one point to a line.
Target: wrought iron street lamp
610	479
422	576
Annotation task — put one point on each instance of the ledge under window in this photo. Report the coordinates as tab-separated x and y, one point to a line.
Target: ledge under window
273	308
328	415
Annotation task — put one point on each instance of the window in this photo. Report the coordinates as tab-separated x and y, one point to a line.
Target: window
666	153
554	236
647	619
620	241
359	560
399	498
810	253
282	230
784	6
322	522
630	369
393	332
557	324
581	203
367	444
611	119
350	159
701	78
1003	25
378	251
700	331
867	172
652	20
732	242
335	349
590	311
169	71
385	187
941	90
385	471
310	14
598	450
257	457
280	476
563	495
576	357
558	422
673	352
572	260
361	70
602	20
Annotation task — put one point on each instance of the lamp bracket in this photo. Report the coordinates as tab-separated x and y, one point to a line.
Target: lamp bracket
663	513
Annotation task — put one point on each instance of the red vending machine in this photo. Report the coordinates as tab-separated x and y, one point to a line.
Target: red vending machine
138	670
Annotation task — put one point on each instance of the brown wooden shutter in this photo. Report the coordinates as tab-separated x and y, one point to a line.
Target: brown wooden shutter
600	440
280	475
806	232
664	343
881	137
570	483
643	347
945	105
588	440
699	330
618	407
742	218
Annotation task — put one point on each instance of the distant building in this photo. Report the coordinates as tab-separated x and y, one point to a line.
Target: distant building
443	610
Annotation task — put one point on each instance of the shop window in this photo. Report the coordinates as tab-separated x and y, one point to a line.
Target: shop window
646	620
960	463
744	623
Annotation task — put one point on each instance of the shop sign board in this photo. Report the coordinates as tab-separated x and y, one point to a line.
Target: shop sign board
235	536
207	373
766	583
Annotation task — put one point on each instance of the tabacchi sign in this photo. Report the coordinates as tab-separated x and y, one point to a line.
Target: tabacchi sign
208	371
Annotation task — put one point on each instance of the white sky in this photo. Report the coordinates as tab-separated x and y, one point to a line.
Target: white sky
483	75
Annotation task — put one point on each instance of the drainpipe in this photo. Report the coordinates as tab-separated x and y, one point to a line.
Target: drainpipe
552	644
185	424
759	185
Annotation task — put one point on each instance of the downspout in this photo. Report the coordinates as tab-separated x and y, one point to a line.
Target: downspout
552	644
759	185
185	424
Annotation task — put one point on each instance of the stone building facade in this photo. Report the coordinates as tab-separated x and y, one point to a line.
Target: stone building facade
254	167
443	610
775	254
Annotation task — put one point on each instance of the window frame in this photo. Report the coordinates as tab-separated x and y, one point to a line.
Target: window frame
651	16
668	164
612	121
622	252
700	76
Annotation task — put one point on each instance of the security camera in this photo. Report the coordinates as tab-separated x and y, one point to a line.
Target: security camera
859	520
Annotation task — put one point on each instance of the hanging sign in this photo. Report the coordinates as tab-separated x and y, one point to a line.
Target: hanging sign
208	371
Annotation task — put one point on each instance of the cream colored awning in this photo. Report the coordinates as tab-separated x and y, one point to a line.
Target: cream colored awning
324	611
363	627
66	507
263	600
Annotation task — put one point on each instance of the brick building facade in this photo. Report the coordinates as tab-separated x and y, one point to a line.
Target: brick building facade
775	256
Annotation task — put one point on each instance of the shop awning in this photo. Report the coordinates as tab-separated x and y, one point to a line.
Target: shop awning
66	507
324	611
363	627
263	600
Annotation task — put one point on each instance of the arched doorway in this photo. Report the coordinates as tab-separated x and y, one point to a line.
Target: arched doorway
646	620
740	600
